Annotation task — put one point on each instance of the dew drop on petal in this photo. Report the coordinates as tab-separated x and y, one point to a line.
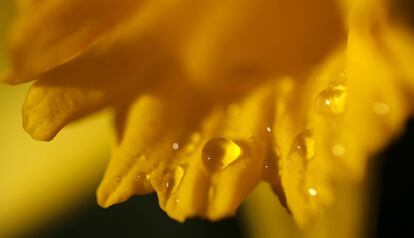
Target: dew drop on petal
173	179
269	129
143	176
218	153
304	145
332	100
118	179
175	146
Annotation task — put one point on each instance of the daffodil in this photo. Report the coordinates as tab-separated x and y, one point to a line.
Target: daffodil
213	97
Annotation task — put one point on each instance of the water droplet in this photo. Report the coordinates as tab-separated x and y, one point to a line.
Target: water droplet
312	192
173	179
338	150
218	153
175	146
118	179
304	145
143	176
332	101
267	164
233	110
269	129
380	108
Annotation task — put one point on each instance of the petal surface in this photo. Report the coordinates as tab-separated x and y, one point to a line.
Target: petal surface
49	33
165	151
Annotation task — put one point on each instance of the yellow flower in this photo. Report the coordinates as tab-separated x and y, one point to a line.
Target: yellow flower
213	97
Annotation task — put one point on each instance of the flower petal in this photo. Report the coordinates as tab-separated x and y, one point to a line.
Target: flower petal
236	41
97	78
336	126
155	121
217	186
52	32
148	157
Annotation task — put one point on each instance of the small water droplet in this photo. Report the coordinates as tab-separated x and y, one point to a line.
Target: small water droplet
304	145
312	192
218	153
269	129
175	146
332	101
266	164
380	108
177	200
118	178
173	179
143	176
338	150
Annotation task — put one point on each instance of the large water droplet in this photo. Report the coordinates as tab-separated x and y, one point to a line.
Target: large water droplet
304	145
332	101
218	153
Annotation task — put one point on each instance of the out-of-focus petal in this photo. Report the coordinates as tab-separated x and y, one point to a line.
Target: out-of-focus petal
330	126
266	218
117	67
62	30
38	181
237	42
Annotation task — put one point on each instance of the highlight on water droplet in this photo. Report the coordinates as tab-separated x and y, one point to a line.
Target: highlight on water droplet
269	129
312	192
331	101
143	176
175	146
380	108
338	150
304	145
218	153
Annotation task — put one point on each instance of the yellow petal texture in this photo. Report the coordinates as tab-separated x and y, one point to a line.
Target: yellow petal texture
117	67
167	150
213	97
63	30
238	42
329	127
